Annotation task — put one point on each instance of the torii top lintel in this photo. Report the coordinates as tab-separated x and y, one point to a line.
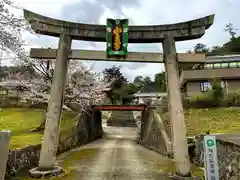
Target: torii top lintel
137	34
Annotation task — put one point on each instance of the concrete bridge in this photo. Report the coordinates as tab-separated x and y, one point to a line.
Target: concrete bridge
116	156
123	152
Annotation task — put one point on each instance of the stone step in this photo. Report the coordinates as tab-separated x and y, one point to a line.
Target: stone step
122	118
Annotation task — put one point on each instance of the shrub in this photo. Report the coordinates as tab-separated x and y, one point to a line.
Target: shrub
212	98
186	102
217	91
202	101
14	102
209	99
233	99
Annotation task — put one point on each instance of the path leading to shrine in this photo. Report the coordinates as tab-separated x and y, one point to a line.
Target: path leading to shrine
116	156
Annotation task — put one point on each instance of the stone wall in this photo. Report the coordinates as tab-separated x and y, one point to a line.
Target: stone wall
122	119
229	160
153	134
228	150
88	128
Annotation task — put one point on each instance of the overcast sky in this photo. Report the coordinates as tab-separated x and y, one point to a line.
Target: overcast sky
139	12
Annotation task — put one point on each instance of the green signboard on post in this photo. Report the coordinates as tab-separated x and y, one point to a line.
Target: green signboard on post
117	37
211	158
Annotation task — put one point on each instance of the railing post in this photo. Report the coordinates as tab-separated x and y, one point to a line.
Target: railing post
144	119
143	115
4	150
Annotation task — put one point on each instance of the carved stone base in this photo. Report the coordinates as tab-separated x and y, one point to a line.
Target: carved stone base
41	173
177	177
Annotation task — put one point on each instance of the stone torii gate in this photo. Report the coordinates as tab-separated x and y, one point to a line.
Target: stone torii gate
165	34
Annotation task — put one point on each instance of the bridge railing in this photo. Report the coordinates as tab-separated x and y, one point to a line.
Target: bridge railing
153	133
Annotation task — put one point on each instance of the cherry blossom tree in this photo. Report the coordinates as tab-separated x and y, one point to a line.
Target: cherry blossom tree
11	27
84	87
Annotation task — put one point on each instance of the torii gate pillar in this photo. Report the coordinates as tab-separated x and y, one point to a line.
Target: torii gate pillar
175	108
53	116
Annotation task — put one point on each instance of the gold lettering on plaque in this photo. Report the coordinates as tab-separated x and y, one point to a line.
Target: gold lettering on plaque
117	40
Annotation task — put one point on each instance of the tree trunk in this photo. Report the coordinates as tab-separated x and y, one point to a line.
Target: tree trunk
42	125
73	106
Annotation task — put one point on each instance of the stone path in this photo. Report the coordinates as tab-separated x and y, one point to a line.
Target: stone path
115	157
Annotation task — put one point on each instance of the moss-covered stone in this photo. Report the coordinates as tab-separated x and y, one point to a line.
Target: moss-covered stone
67	162
168	166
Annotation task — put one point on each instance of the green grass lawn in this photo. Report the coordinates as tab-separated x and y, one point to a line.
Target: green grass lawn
217	120
22	121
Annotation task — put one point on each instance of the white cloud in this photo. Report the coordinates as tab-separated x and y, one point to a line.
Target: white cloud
49	7
140	12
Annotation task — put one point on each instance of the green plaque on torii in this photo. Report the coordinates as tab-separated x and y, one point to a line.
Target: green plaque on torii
117	37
